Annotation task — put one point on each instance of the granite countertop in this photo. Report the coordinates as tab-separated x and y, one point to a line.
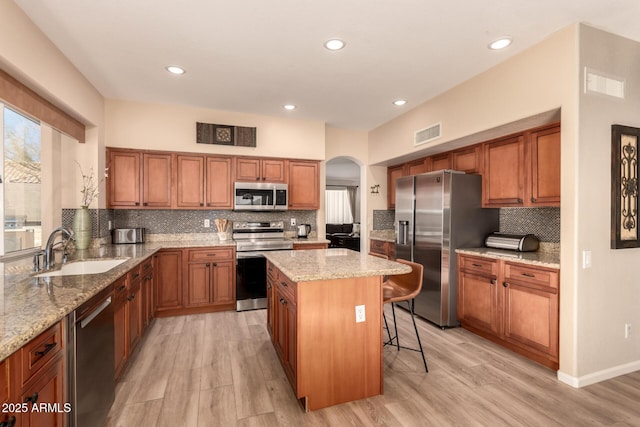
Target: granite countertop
539	258
326	264
309	240
383	235
33	304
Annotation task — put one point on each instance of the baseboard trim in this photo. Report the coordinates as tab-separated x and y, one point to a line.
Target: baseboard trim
596	377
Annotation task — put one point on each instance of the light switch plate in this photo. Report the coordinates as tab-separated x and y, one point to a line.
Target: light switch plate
207	223
586	259
360	314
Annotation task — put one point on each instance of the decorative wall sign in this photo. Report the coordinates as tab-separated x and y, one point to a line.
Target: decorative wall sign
208	133
624	187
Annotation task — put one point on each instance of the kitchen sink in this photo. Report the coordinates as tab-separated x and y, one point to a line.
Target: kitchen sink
92	266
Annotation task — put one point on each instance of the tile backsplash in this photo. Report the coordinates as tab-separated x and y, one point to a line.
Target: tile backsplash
544	223
179	221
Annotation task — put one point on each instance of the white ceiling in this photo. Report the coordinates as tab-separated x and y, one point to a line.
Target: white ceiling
254	55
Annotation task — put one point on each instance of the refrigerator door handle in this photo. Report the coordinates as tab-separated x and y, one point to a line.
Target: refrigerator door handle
403	232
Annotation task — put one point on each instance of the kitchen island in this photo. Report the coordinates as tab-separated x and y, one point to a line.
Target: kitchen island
324	314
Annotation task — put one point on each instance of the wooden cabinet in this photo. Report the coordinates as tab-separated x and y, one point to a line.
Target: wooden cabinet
36	371
6	392
156	180
523	170
134	310
168	280
285	323
504	173
477	294
120	326
441	161
468	160
418	166
204	182
123	182
393	173
303	246
382	248
219	186
320	346
190	184
544	183
265	170
210	278
146	292
139	179
304	185
513	304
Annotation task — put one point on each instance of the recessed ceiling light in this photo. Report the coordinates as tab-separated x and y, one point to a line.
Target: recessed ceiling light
173	69
399	102
334	44
500	43
289	107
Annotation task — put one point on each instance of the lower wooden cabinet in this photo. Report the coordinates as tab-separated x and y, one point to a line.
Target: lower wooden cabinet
382	248
168	280
146	293
32	383
210	280
134	310
513	304
303	246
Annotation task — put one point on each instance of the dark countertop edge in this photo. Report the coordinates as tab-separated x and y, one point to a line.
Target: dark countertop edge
541	259
36	327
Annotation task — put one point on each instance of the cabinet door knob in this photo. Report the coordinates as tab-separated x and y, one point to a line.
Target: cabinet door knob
145	204
533	200
284	284
257	178
519	200
137	203
201	204
493	281
207	265
505	284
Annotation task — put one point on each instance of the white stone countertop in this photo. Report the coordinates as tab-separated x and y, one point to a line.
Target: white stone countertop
383	235
541	259
326	264
30	304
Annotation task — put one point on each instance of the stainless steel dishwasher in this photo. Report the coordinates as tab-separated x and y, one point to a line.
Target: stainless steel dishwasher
90	356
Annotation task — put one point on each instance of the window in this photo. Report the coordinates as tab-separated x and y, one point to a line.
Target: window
337	206
20	171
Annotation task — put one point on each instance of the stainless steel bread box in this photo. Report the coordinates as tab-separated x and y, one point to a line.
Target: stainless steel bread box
127	235
513	242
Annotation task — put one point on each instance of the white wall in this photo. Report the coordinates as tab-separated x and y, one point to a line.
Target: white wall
540	79
173	128
608	294
29	56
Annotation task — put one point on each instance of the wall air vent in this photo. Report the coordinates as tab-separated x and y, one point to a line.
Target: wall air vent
596	82
427	134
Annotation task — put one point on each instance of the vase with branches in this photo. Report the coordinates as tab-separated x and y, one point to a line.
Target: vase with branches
82	221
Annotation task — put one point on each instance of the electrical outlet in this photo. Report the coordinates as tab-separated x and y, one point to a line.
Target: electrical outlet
586	259
360	316
627	330
207	223
110	225
293	222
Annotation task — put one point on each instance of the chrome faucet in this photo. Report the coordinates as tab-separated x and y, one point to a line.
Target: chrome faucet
49	259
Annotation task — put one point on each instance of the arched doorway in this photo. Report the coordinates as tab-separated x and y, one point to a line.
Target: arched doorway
343	205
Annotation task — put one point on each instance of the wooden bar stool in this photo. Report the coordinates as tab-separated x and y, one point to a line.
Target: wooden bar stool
403	287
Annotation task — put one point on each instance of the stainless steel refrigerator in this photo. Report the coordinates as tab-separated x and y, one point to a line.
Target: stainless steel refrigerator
436	213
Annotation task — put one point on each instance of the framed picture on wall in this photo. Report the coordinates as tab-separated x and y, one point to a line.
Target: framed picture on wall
624	187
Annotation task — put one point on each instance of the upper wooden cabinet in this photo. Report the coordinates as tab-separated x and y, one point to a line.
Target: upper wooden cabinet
523	169
468	160
418	166
123	182
393	173
544	148
204	182
441	161
265	170
139	179
504	174
304	185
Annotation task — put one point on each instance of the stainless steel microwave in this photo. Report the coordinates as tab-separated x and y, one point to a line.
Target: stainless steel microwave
260	196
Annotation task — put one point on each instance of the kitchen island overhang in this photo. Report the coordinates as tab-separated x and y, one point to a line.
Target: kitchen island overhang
324	314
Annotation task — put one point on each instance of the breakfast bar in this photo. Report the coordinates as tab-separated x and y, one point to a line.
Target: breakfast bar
324	314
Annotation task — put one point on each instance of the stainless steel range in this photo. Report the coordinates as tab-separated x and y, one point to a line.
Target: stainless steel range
252	240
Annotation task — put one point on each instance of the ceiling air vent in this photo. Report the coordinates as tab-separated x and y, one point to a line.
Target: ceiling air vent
427	134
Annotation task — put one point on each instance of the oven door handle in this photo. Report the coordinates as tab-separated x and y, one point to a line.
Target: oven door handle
251	254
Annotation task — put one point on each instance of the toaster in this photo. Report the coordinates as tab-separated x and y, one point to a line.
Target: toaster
513	242
127	235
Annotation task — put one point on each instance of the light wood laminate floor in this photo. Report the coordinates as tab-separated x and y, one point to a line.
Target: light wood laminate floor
220	369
